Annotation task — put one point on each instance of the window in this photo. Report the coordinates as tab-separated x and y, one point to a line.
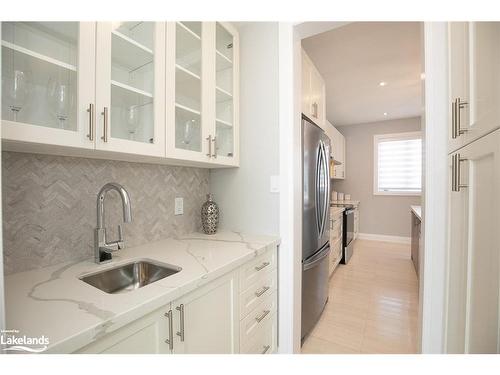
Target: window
397	164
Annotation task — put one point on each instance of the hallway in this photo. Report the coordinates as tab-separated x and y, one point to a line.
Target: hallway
373	304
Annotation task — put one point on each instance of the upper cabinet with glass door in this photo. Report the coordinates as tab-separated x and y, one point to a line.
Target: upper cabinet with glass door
130	85
225	136
474	71
187	116
48	82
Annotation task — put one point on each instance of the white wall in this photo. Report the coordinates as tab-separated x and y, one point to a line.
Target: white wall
2	300
243	195
378	214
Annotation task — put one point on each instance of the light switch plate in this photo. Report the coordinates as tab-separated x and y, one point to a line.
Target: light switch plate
179	206
275	184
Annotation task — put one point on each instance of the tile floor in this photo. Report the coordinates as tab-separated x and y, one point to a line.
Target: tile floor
373	304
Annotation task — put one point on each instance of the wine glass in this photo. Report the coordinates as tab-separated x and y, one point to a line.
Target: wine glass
188	131
59	97
132	120
17	89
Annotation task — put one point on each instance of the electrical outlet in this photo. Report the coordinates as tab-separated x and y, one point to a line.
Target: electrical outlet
179	206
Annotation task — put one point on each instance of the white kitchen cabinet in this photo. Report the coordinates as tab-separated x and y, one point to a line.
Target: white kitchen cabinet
313	92
336	235
337	151
147	335
130	87
474	82
203	94
356	223
137	91
48	82
473	255
206	320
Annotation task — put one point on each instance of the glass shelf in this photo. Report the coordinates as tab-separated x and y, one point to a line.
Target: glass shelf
39	73
188	48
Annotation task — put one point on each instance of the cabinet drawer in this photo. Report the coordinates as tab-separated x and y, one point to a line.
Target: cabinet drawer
254	269
258	318
257	292
264	341
336	230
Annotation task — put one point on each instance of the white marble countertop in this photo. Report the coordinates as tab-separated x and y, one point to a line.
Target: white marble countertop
417	210
353	202
54	302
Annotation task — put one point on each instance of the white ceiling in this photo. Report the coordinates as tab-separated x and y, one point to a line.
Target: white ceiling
355	58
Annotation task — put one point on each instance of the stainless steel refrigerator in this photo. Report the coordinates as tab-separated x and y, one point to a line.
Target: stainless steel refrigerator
315	222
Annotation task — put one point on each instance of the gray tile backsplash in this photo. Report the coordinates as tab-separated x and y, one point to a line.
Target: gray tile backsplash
49	205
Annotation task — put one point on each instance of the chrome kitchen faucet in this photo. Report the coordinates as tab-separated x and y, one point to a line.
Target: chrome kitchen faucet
103	248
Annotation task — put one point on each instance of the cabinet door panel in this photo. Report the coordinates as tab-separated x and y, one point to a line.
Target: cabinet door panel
130	76
48	73
474	251
474	58
210	319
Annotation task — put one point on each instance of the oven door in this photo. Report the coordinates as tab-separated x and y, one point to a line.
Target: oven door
348	226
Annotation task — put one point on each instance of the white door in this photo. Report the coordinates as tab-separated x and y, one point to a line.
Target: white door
206	320
225	129
48	71
188	114
474	60
147	335
474	249
130	87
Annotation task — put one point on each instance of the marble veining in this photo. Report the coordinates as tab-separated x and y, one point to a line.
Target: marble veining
54	302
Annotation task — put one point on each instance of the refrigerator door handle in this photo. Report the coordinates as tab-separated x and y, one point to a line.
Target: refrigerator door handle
326	184
317	191
314	261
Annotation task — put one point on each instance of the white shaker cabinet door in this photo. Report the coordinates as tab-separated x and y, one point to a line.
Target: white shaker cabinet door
474	248
474	75
206	320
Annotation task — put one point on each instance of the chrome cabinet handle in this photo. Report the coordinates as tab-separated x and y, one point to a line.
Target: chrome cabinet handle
262	291
214	155
180	308
266	348
460	185
264	314
455	173
209	139
460	105
91	111
262	266
454	120
170	340
105	130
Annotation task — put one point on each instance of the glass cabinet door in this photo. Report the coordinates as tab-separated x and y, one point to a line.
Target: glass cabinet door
47	81
188	86
130	75
225	54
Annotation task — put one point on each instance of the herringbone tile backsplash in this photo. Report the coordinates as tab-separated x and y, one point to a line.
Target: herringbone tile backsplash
49	205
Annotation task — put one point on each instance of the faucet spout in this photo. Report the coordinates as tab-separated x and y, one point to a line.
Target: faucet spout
127	211
102	246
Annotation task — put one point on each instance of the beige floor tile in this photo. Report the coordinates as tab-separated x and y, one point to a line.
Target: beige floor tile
373	304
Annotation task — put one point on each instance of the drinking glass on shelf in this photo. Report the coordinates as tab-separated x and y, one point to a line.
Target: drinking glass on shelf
132	120
188	131
17	89
60	100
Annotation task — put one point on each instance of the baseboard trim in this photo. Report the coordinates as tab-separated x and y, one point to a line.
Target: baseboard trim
385	238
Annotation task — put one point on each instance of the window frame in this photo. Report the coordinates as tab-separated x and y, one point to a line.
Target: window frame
395	137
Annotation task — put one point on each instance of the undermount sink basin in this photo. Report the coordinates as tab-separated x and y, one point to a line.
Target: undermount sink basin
129	276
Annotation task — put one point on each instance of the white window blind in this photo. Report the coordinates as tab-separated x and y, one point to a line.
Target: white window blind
398	164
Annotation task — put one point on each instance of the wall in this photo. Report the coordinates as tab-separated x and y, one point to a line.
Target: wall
49	205
243	194
379	214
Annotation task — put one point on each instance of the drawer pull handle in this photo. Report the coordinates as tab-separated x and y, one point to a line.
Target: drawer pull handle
262	291
264	314
262	266
266	348
170	340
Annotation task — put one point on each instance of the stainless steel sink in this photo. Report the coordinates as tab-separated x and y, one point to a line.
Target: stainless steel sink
129	276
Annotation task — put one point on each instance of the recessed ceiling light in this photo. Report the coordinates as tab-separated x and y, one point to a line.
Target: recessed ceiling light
385	113
383	83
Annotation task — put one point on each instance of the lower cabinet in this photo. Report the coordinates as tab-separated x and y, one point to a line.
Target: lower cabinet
228	315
